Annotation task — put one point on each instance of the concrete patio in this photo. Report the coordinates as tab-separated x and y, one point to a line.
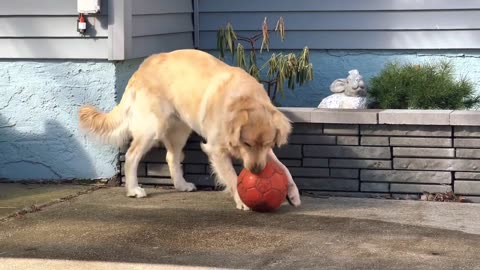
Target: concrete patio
103	229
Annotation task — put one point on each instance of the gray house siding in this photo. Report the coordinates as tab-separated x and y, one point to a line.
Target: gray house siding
124	29
350	24
47	29
128	29
161	25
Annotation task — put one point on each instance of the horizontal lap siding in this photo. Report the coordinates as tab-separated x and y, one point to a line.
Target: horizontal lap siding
338	20
148	25
73	48
49	26
43	7
144	46
159	26
47	29
366	40
144	7
334	5
350	24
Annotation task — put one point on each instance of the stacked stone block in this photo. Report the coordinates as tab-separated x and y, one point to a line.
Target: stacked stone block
367	159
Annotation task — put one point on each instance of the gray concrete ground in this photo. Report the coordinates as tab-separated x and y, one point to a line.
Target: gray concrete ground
202	230
14	197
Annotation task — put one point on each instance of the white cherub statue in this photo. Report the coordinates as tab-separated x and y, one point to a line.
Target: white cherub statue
349	93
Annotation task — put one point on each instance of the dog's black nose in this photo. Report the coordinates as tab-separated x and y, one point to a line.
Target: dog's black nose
256	169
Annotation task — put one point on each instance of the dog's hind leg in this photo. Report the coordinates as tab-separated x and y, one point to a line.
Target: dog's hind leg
174	140
139	146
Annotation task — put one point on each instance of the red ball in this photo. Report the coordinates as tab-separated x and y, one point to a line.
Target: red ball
265	191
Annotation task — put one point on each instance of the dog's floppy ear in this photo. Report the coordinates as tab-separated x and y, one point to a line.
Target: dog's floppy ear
283	126
234	127
237	117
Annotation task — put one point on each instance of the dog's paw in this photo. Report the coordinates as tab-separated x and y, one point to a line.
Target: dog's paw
239	203
137	192
186	187
293	196
242	206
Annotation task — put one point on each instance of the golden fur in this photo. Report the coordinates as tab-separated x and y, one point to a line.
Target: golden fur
172	94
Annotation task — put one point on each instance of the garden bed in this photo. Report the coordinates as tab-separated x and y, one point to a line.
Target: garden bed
373	153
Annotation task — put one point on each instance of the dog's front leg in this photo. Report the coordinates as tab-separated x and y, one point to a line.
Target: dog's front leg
226	175
293	193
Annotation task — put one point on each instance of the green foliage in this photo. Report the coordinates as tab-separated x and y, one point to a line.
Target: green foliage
426	86
280	68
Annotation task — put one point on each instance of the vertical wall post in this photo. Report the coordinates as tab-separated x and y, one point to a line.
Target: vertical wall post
196	24
119	29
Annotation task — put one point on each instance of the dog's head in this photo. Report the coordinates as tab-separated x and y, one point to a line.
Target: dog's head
253	127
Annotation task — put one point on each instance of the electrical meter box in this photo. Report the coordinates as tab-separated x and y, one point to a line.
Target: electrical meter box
88	6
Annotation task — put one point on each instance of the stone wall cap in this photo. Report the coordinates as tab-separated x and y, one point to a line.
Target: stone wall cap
417	111
465	118
297	109
375	116
414	117
297	115
345	116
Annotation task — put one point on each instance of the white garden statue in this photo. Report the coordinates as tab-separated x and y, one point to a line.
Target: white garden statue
349	93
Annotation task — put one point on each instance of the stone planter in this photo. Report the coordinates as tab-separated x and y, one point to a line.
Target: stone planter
373	153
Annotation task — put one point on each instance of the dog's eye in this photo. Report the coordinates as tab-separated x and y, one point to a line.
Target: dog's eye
247	144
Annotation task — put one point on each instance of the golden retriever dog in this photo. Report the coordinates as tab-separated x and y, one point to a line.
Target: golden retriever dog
172	94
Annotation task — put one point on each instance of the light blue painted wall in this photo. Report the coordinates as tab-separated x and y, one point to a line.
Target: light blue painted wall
125	70
39	136
333	64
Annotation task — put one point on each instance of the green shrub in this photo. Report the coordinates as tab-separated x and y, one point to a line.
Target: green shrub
426	86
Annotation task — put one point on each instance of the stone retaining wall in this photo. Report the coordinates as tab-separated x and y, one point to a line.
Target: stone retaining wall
363	153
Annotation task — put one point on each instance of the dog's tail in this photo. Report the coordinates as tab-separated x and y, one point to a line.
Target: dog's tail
111	127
